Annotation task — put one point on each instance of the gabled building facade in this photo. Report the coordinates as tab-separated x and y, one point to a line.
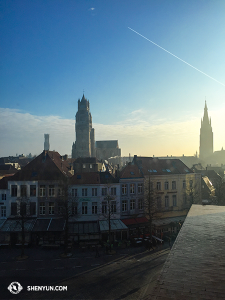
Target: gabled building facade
132	192
175	186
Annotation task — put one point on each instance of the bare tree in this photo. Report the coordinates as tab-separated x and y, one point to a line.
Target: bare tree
219	185
109	208
151	203
22	217
192	192
67	208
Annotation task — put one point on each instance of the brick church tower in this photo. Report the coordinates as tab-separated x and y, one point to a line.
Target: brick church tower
85	134
206	136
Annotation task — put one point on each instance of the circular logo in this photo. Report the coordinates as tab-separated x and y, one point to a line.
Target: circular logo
15	287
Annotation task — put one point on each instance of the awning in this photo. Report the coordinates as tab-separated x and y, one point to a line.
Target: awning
167	221
115	225
49	225
84	227
135	221
11	225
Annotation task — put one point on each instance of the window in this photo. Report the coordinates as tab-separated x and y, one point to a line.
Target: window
13	209
158	186
94	192
185	199
132	187
84	166
90	166
94	208
132	204
84	208
74	209
104	207
173	185
104	191
42	208
23	190
32	190
84	192
158	201
174	200
191	183
23	208
51	207
184	184
140	188
166	201
140	204
124	189
113	191
74	192
3	196
166	185
42	191
51	191
3	211
124	205
32	208
113	206
14	190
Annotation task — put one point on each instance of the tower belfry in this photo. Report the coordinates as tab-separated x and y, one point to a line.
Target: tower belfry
85	140
206	136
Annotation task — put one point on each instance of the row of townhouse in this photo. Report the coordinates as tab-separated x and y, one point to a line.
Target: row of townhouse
172	187
90	192
48	180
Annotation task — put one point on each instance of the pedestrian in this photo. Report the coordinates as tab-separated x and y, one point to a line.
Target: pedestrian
96	251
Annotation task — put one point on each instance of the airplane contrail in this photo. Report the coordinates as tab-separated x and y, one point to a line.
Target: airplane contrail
176	56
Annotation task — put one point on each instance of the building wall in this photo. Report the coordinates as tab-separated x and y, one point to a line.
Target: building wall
86	196
132	197
177	196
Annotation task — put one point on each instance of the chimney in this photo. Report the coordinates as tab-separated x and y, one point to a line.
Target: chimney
46	143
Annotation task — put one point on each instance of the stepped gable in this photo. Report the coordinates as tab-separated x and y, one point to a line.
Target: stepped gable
49	165
156	166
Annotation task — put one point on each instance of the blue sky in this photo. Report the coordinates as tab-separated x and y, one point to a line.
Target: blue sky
139	94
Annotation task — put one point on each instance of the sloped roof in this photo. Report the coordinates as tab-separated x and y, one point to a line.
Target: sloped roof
155	166
92	178
4	183
11	225
115	225
195	267
85	178
47	166
131	171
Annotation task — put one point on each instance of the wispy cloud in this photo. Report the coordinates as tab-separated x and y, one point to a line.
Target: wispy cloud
24	133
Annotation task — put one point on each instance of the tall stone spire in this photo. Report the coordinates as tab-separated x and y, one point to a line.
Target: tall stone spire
85	143
206	136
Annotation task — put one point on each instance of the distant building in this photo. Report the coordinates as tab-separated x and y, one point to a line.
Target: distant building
46	143
88	164
107	149
206	136
84	145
